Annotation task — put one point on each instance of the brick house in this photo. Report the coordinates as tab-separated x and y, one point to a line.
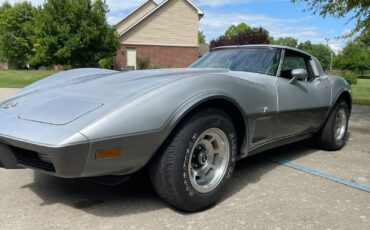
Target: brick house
166	34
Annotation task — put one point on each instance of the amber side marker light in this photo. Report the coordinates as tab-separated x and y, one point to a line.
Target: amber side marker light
108	153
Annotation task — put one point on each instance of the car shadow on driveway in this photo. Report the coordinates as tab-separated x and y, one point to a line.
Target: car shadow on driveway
137	194
251	170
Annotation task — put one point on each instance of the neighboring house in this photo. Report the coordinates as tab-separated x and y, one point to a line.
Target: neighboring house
166	34
203	49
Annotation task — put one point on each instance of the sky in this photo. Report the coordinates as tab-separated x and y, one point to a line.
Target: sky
280	17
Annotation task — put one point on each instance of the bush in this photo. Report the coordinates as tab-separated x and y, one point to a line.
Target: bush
365	75
106	63
350	76
143	63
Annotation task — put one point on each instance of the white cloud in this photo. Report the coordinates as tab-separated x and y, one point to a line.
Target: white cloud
34	2
218	3
337	45
116	6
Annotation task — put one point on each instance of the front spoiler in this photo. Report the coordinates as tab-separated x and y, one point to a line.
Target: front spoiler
67	161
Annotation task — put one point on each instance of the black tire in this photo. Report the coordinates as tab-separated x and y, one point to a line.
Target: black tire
326	139
169	170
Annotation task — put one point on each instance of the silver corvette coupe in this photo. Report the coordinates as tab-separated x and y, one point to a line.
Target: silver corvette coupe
188	126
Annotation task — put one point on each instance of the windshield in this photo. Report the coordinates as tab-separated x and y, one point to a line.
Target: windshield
256	60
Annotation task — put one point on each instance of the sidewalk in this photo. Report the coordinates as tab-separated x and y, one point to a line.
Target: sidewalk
6	92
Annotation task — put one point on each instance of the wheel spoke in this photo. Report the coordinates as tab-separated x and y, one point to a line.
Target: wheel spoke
203	171
194	174
212	139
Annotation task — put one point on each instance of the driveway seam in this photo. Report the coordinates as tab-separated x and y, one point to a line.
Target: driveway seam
321	174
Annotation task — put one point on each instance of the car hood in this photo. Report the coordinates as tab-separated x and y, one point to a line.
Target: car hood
62	100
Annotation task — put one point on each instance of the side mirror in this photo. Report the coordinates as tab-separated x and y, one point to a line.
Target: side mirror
298	74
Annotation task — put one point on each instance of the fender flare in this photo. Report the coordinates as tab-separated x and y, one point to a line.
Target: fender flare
339	94
186	108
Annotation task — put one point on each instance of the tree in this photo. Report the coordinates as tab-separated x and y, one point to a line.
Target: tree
365	37
285	41
73	32
322	52
354	57
252	36
3	9
201	37
233	30
341	8
15	44
305	46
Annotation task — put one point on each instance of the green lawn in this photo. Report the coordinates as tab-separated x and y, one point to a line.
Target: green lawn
21	78
361	92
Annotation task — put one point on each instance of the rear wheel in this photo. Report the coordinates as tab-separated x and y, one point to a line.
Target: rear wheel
333	135
191	171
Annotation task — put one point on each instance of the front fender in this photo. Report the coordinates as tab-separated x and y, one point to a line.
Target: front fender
197	100
339	86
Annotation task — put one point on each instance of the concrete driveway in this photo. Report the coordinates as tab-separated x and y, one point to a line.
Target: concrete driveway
6	92
306	189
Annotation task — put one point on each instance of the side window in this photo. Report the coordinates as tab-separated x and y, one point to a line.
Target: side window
292	61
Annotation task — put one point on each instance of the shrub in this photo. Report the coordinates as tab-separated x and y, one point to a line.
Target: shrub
106	63
365	75
350	76
143	63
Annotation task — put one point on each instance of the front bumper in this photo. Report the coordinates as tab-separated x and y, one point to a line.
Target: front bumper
79	160
68	161
65	152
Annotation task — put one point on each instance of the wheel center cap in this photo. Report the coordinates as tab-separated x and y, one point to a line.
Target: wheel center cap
203	158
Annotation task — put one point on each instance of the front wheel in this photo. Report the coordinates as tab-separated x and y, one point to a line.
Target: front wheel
192	169
333	135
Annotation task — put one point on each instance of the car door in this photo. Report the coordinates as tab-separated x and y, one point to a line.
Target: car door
258	92
262	109
302	104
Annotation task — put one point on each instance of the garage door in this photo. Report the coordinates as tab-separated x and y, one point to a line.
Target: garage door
131	57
